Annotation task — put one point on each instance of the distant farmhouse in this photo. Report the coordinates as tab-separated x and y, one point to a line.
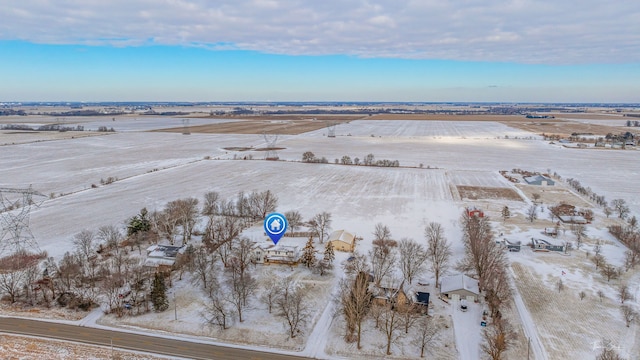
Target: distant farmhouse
573	219
342	241
460	286
539	180
544	245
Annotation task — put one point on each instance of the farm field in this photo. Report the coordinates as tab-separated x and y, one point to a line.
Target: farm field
443	166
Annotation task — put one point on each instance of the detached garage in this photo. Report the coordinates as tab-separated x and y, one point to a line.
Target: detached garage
460	286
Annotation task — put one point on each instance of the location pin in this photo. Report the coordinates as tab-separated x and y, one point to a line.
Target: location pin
275	225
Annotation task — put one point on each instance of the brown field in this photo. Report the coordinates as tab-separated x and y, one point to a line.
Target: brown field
478	193
562	127
271	126
446	117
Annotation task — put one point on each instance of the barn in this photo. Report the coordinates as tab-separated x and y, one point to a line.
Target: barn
539	180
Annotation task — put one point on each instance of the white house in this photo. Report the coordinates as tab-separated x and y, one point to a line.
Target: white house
460	286
276	254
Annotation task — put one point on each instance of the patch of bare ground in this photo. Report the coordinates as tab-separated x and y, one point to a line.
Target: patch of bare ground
269	125
567	326
28	348
40	312
553	195
479	192
562	128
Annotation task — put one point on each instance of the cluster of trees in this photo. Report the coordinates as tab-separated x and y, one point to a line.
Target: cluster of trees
586	191
368	160
387	258
629	234
100	265
486	260
47	127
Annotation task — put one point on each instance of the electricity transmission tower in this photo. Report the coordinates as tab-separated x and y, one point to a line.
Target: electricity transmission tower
331	129
15	212
271	139
185	127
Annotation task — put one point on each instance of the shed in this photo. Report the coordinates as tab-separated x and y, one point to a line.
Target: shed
539	180
342	240
460	286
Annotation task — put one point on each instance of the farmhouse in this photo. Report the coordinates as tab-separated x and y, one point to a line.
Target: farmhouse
276	254
460	286
539	180
342	241
573	219
544	245
387	293
163	257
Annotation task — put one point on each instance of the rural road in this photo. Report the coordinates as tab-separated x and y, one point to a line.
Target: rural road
131	341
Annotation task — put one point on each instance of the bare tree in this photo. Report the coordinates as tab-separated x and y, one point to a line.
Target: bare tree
355	299
427	331
629	314
560	285
623	293
621	207
110	235
239	280
609	271
532	212
185	212
211	204
390	322
203	269
582	295
271	289
607	211
609	354
498	338
410	314
263	203
438	250
84	244
293	307
11	282
165	224
294	219
412	259
482	254
320	225
217	311
497	288
601	295
536	197
579	231
383	259
381	232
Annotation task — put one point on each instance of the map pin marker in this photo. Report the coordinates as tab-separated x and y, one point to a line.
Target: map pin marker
275	225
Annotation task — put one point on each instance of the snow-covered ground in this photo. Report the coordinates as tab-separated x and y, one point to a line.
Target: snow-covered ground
155	168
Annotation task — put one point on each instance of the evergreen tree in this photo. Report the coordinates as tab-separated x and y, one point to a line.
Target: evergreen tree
506	213
159	293
329	255
139	223
309	254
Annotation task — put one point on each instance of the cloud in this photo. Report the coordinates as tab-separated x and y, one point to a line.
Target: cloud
520	31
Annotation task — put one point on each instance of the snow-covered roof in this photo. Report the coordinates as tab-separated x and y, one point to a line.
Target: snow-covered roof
459	282
341	235
154	262
537	179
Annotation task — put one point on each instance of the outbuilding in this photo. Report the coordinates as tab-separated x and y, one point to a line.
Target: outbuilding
460	286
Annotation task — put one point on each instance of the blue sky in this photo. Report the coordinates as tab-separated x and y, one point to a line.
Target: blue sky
347	50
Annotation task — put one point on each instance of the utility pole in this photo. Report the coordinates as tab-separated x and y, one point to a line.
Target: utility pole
175	306
528	347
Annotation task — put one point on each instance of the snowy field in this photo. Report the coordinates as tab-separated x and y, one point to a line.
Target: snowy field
155	168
